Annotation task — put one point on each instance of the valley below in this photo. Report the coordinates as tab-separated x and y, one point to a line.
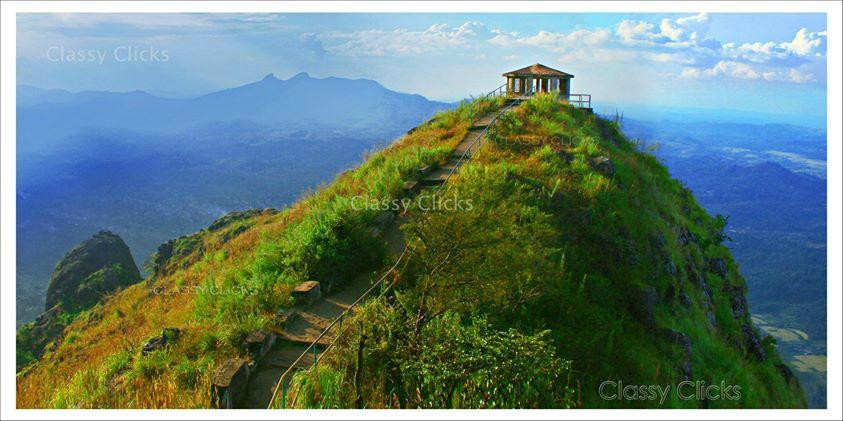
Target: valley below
769	179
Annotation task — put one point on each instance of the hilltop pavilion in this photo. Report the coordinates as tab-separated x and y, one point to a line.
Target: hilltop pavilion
537	78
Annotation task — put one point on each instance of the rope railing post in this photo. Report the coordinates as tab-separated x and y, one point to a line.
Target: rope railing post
281	386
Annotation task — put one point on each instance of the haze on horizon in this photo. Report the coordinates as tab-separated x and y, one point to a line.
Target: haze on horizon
768	63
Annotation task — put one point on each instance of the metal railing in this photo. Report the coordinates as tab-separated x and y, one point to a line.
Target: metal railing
578	100
499	91
467	153
313	349
494	93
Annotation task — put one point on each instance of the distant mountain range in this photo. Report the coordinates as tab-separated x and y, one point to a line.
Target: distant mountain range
45	117
151	168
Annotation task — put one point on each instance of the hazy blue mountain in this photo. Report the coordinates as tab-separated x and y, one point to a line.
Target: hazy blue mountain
150	168
46	118
652	112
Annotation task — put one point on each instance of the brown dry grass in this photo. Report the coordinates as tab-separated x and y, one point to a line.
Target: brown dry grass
82	372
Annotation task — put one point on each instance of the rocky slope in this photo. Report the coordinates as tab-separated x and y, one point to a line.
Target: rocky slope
88	272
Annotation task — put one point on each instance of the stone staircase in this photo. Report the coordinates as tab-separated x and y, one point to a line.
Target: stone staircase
465	150
304	325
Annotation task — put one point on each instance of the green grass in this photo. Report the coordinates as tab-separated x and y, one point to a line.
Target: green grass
527	299
219	291
552	245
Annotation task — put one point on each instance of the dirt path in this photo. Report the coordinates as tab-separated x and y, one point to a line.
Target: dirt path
312	321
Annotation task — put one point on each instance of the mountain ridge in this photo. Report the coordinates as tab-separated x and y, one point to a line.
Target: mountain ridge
581	261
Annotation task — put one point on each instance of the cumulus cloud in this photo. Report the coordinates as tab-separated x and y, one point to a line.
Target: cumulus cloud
689	30
436	38
729	68
683	43
739	70
555	40
805	43
804	46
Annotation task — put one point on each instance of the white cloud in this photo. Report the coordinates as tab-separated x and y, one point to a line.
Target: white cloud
689	30
803	46
682	43
739	70
732	69
805	43
180	22
630	30
789	75
436	38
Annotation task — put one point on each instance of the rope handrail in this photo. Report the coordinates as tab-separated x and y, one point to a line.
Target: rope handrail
471	145
312	347
324	332
339	334
494	93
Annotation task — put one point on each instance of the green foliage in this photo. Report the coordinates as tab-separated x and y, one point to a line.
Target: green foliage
547	269
475	366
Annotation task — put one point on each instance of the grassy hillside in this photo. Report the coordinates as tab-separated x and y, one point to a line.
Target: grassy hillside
223	282
566	272
578	260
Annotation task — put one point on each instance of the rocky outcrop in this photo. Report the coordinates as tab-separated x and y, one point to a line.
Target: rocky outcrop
172	250
603	165
32	338
92	269
718	266
168	335
684	343
182	249
643	305
232	217
97	267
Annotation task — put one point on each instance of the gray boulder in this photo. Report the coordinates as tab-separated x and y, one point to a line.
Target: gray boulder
96	267
603	165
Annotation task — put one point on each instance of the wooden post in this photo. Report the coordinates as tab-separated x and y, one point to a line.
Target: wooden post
358	374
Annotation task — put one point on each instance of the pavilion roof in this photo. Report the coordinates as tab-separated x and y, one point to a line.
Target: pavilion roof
538	69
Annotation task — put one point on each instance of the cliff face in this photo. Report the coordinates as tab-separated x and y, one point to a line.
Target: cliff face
97	266
574	260
91	270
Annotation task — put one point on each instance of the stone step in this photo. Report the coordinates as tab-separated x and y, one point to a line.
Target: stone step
265	377
306	328
436	177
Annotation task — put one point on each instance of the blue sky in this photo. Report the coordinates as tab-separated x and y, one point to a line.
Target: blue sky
773	63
